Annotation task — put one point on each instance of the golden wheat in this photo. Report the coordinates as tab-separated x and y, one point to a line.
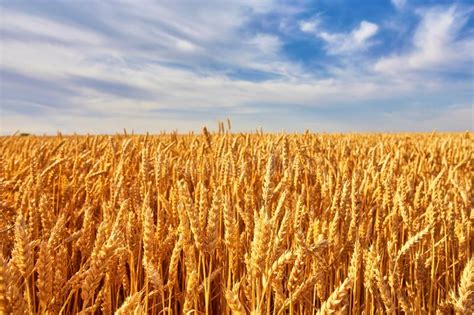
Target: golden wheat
223	223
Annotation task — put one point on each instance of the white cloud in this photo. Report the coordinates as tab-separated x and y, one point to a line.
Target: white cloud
436	45
365	31
310	26
182	89
267	44
399	4
342	43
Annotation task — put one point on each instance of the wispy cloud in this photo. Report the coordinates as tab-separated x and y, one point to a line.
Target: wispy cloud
436	45
14	21
342	43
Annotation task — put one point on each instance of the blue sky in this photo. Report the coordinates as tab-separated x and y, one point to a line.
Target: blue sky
324	65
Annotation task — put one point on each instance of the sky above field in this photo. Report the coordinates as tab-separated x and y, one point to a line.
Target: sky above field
324	65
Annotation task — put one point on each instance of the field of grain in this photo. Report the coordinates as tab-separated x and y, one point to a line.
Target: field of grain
221	223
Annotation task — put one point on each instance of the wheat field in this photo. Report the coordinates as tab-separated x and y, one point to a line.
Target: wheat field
228	223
